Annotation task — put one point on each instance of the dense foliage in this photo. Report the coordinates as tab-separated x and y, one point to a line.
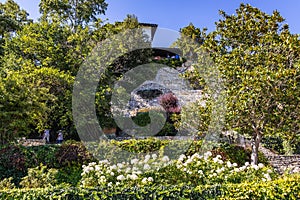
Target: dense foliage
212	175
258	61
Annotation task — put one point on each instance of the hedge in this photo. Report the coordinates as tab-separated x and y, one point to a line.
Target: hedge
284	188
16	159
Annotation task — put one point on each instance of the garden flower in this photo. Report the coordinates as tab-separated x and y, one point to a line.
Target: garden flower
150	179
97	168
255	167
120	177
128	169
219	170
120	165
181	157
165	159
144	181
207	155
134	161
147	167
260	165
154	156
147	157
229	164
267	176
133	177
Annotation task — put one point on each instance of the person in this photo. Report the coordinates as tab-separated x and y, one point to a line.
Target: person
47	136
60	137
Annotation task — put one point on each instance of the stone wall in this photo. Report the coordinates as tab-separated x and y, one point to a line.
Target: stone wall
31	142
282	163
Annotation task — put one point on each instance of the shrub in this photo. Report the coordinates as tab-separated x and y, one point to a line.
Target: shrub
7	184
169	102
39	177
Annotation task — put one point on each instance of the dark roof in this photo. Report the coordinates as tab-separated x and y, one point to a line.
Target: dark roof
165	52
148	24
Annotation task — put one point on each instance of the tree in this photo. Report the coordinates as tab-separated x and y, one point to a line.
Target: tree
257	55
12	19
75	13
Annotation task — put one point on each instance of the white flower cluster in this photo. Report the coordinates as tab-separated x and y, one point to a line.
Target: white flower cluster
201	169
212	169
104	173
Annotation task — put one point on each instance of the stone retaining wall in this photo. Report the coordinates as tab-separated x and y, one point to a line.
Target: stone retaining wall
282	163
32	142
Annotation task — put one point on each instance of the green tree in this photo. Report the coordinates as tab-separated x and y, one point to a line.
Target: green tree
257	55
12	19
76	13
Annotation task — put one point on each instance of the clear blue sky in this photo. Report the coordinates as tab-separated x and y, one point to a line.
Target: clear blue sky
175	14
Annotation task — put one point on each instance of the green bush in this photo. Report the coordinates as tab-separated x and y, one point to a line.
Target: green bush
7	184
284	188
273	143
39	177
16	159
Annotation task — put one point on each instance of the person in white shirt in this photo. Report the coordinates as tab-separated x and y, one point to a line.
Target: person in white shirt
47	135
60	137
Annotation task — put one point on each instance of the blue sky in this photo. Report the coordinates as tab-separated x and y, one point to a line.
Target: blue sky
175	14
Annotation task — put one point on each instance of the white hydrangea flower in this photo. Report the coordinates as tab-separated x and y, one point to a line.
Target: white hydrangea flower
242	168
237	169
120	177
267	176
134	161
260	165
147	167
165	159
195	156
207	155
128	169
247	164
219	170
138	172
255	167
147	157
200	171
97	168
120	165
269	171
154	156
110	184
188	161
181	157
220	162
144	181
113	167
150	179
133	177
234	165
135	169
229	164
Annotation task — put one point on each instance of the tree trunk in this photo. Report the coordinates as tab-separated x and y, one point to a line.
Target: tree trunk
255	141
